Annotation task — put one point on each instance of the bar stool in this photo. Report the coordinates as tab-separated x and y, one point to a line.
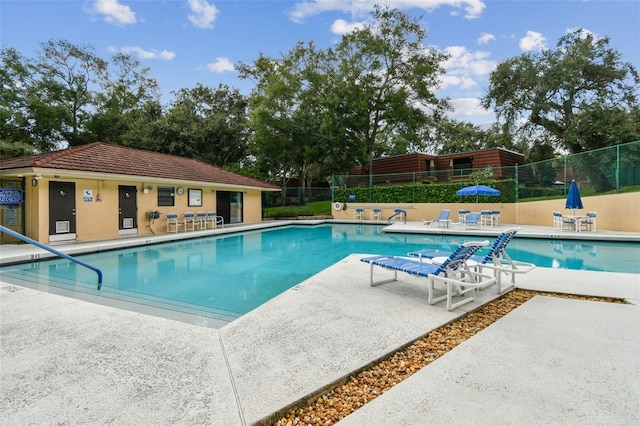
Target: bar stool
376	214
358	214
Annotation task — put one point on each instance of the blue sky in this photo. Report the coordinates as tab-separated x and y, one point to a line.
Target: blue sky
186	42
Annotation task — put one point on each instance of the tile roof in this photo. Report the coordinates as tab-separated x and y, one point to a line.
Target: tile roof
99	157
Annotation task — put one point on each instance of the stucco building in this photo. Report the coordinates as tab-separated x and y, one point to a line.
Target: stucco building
101	191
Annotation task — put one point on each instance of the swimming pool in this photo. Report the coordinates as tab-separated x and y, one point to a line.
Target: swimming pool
224	277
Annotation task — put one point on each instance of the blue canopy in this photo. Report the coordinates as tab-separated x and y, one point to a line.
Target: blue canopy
478	190
573	197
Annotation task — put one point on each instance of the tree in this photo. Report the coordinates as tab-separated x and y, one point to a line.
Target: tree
207	124
581	94
15	127
126	91
64	91
276	119
387	79
457	136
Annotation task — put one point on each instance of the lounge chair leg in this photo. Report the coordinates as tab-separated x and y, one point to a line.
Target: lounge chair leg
432	300
377	283
461	292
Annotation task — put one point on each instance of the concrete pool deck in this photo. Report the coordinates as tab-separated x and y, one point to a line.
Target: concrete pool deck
549	361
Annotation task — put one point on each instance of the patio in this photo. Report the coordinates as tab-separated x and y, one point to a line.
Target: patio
75	362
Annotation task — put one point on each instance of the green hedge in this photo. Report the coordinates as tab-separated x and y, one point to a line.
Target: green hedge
439	193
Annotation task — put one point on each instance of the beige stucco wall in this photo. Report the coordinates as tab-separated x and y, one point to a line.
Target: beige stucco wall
98	219
618	212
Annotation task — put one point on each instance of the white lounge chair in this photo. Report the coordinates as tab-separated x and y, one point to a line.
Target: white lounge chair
473	219
454	273
442	220
496	259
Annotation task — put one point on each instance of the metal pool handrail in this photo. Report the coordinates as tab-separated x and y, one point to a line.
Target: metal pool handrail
54	251
397	212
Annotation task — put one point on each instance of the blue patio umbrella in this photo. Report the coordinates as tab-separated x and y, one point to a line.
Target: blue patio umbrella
573	197
478	190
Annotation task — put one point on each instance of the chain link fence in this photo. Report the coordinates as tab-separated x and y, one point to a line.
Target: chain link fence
296	196
603	171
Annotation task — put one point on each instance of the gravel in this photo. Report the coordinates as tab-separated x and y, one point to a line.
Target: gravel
366	385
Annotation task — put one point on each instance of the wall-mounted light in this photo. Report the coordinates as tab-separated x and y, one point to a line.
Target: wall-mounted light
146	190
34	182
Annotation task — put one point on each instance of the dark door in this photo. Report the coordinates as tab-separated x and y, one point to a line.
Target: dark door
127	207
223	205
62	208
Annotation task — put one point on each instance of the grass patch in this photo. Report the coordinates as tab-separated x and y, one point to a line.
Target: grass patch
316	208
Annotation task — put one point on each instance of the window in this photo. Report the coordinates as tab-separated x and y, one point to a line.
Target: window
462	163
166	196
195	198
461	166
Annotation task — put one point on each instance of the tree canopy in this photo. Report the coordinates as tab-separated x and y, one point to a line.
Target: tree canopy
581	95
314	112
371	95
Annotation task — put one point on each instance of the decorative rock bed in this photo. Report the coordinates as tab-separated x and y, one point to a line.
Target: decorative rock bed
359	389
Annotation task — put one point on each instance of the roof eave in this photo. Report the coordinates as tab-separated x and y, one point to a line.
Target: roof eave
78	174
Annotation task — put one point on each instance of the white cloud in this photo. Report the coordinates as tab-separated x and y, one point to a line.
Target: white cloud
340	26
470	110
463	62
221	65
113	12
302	10
533	41
145	54
485	38
457	81
466	107
203	14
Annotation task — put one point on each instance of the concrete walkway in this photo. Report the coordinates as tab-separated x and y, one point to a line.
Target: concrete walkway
65	361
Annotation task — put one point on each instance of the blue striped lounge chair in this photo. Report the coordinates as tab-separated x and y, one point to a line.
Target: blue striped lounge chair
473	219
453	273
496	258
441	220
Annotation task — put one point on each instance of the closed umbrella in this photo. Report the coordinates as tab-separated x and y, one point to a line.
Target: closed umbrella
478	190
573	197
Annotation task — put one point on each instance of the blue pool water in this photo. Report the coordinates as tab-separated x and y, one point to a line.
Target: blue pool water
228	276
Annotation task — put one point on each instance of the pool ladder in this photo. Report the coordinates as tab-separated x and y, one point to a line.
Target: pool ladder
397	212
